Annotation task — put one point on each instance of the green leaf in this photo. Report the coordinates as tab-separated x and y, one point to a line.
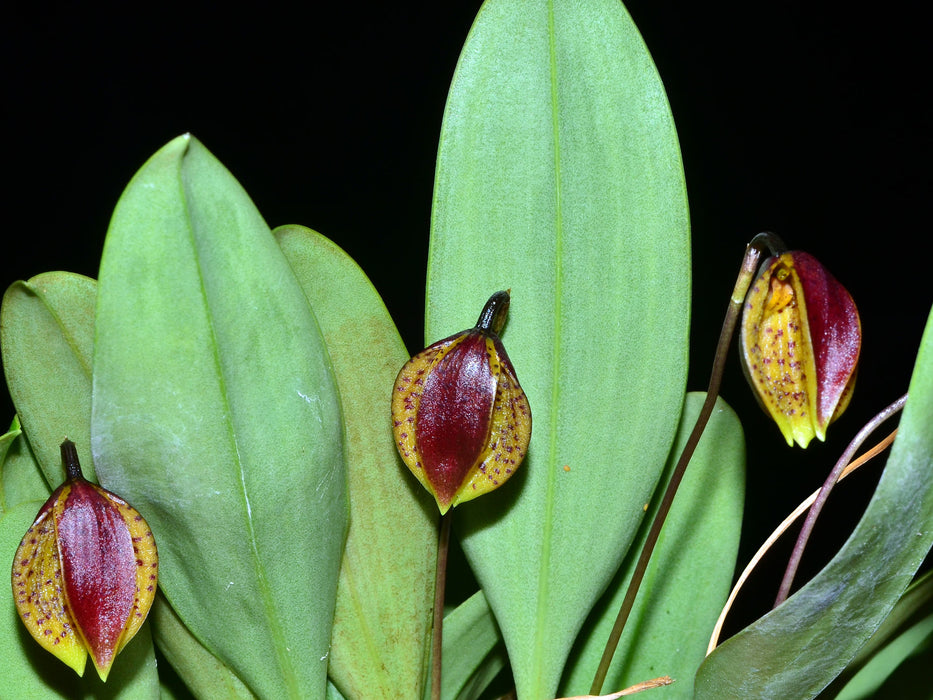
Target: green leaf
20	476
797	649
473	652
891	661
31	673
911	679
203	674
215	413
902	631
690	573
382	626
51	389
559	176
332	692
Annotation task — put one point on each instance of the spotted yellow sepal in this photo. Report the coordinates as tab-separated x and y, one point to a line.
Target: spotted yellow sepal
85	573
461	421
800	342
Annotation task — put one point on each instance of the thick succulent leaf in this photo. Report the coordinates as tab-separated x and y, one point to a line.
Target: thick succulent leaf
559	177
905	630
215	413
797	649
31	673
202	673
895	664
680	598
911	679
20	476
51	389
382	624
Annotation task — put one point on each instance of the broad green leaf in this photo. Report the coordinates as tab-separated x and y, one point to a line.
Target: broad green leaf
890	662
51	389
559	176
20	476
215	413
690	573
797	649
382	625
28	672
203	674
911	679
902	632
473	653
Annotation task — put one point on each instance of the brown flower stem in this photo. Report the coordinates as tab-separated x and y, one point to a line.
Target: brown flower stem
823	495
746	274
440	583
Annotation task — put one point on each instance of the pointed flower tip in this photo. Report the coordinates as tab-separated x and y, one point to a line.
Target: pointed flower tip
461	421
800	342
85	573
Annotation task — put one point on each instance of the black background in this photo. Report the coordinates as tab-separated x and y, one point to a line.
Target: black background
811	121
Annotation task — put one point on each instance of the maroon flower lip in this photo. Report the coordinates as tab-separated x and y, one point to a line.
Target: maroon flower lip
461	421
800	342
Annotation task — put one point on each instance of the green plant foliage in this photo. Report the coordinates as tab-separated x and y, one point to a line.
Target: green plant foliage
31	673
215	413
892	664
559	176
51	389
382	624
902	633
203	674
20	477
690	573
473	652
798	648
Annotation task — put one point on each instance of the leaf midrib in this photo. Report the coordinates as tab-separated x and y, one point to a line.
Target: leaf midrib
543	571
272	617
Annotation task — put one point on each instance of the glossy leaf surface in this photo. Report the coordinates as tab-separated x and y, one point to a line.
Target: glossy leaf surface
559	177
384	600
215	413
902	632
51	389
690	573
797	649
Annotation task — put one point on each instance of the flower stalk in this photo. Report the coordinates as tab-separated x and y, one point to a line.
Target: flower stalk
747	272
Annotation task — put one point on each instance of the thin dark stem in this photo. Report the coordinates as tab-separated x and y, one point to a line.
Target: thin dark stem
823	495
440	583
70	460
746	275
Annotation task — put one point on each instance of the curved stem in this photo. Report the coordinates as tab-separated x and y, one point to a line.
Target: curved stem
820	501
781	529
440	584
746	275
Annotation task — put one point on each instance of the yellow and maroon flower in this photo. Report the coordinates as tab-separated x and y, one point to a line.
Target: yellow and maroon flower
85	574
461	420
800	342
